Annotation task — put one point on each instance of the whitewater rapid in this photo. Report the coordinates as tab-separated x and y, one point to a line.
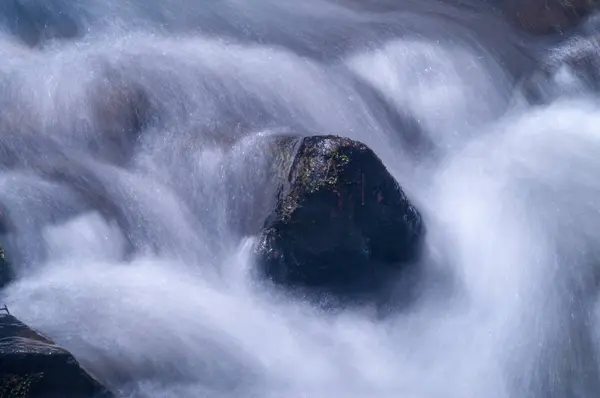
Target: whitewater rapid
131	193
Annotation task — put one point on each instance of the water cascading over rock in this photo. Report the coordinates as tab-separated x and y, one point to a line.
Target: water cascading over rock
33	366
341	222
571	69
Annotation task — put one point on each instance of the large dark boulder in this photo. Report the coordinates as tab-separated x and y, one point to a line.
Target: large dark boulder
341	222
32	366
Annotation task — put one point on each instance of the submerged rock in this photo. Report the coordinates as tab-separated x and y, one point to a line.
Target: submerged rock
541	17
544	17
571	69
121	110
341	221
33	366
35	22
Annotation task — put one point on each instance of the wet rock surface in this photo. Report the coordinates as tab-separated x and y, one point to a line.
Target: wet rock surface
341	222
6	272
33	366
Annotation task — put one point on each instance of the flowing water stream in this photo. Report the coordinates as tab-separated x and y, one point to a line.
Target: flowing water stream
130	186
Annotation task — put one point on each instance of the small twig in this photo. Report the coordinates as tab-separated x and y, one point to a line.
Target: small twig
5	309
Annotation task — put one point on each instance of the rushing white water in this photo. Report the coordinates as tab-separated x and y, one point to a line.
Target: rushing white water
131	247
